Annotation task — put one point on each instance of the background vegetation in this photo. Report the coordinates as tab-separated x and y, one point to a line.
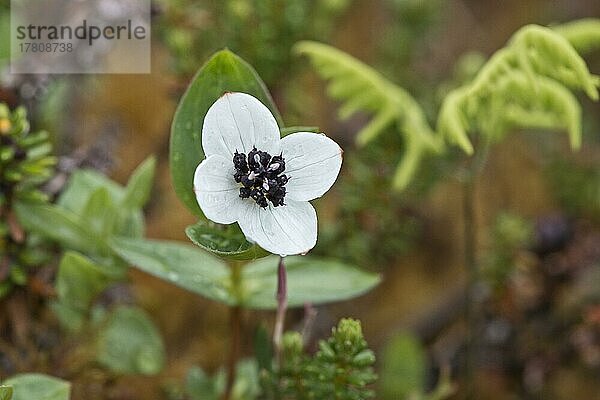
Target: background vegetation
536	207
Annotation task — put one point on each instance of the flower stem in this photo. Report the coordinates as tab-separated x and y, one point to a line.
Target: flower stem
281	308
235	320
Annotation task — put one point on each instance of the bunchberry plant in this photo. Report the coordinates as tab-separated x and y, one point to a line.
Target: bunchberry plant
262	182
229	164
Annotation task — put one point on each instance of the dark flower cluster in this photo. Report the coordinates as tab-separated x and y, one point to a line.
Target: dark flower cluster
261	176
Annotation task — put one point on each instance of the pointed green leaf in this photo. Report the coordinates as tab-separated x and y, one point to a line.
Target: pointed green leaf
99	212
124	221
38	387
129	343
309	279
78	282
80	187
183	265
137	191
226	242
224	72
59	225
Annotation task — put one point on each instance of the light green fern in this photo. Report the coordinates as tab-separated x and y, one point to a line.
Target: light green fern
583	34
361	88
526	84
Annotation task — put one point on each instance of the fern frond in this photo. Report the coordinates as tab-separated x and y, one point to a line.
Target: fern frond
525	84
584	34
552	106
361	88
551	55
453	122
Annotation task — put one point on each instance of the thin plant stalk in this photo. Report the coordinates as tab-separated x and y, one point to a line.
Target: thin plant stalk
281	308
235	321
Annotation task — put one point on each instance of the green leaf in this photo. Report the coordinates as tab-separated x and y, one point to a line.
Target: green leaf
78	283
199	386
263	349
6	392
309	280
38	387
129	343
227	242
139	186
129	223
59	225
403	368
99	212
293	129
80	187
224	72
83	184
182	265
71	319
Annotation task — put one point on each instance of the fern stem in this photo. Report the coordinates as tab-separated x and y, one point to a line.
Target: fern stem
469	237
281	309
474	168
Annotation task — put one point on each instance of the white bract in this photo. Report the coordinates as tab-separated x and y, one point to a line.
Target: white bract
261	181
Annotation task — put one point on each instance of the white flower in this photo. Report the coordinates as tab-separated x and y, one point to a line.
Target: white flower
263	182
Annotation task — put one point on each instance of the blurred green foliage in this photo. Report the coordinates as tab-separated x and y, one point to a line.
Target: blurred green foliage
403	368
129	343
26	163
374	226
415	21
200	386
576	186
39	387
509	235
404	371
91	210
260	31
